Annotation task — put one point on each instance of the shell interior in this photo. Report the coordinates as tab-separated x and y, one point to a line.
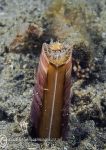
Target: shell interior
57	53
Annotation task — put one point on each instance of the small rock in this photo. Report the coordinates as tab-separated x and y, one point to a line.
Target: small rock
19	76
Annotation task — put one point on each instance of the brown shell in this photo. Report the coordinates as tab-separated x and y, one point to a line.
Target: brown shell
51	100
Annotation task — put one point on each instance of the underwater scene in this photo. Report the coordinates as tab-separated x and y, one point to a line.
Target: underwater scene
52	74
